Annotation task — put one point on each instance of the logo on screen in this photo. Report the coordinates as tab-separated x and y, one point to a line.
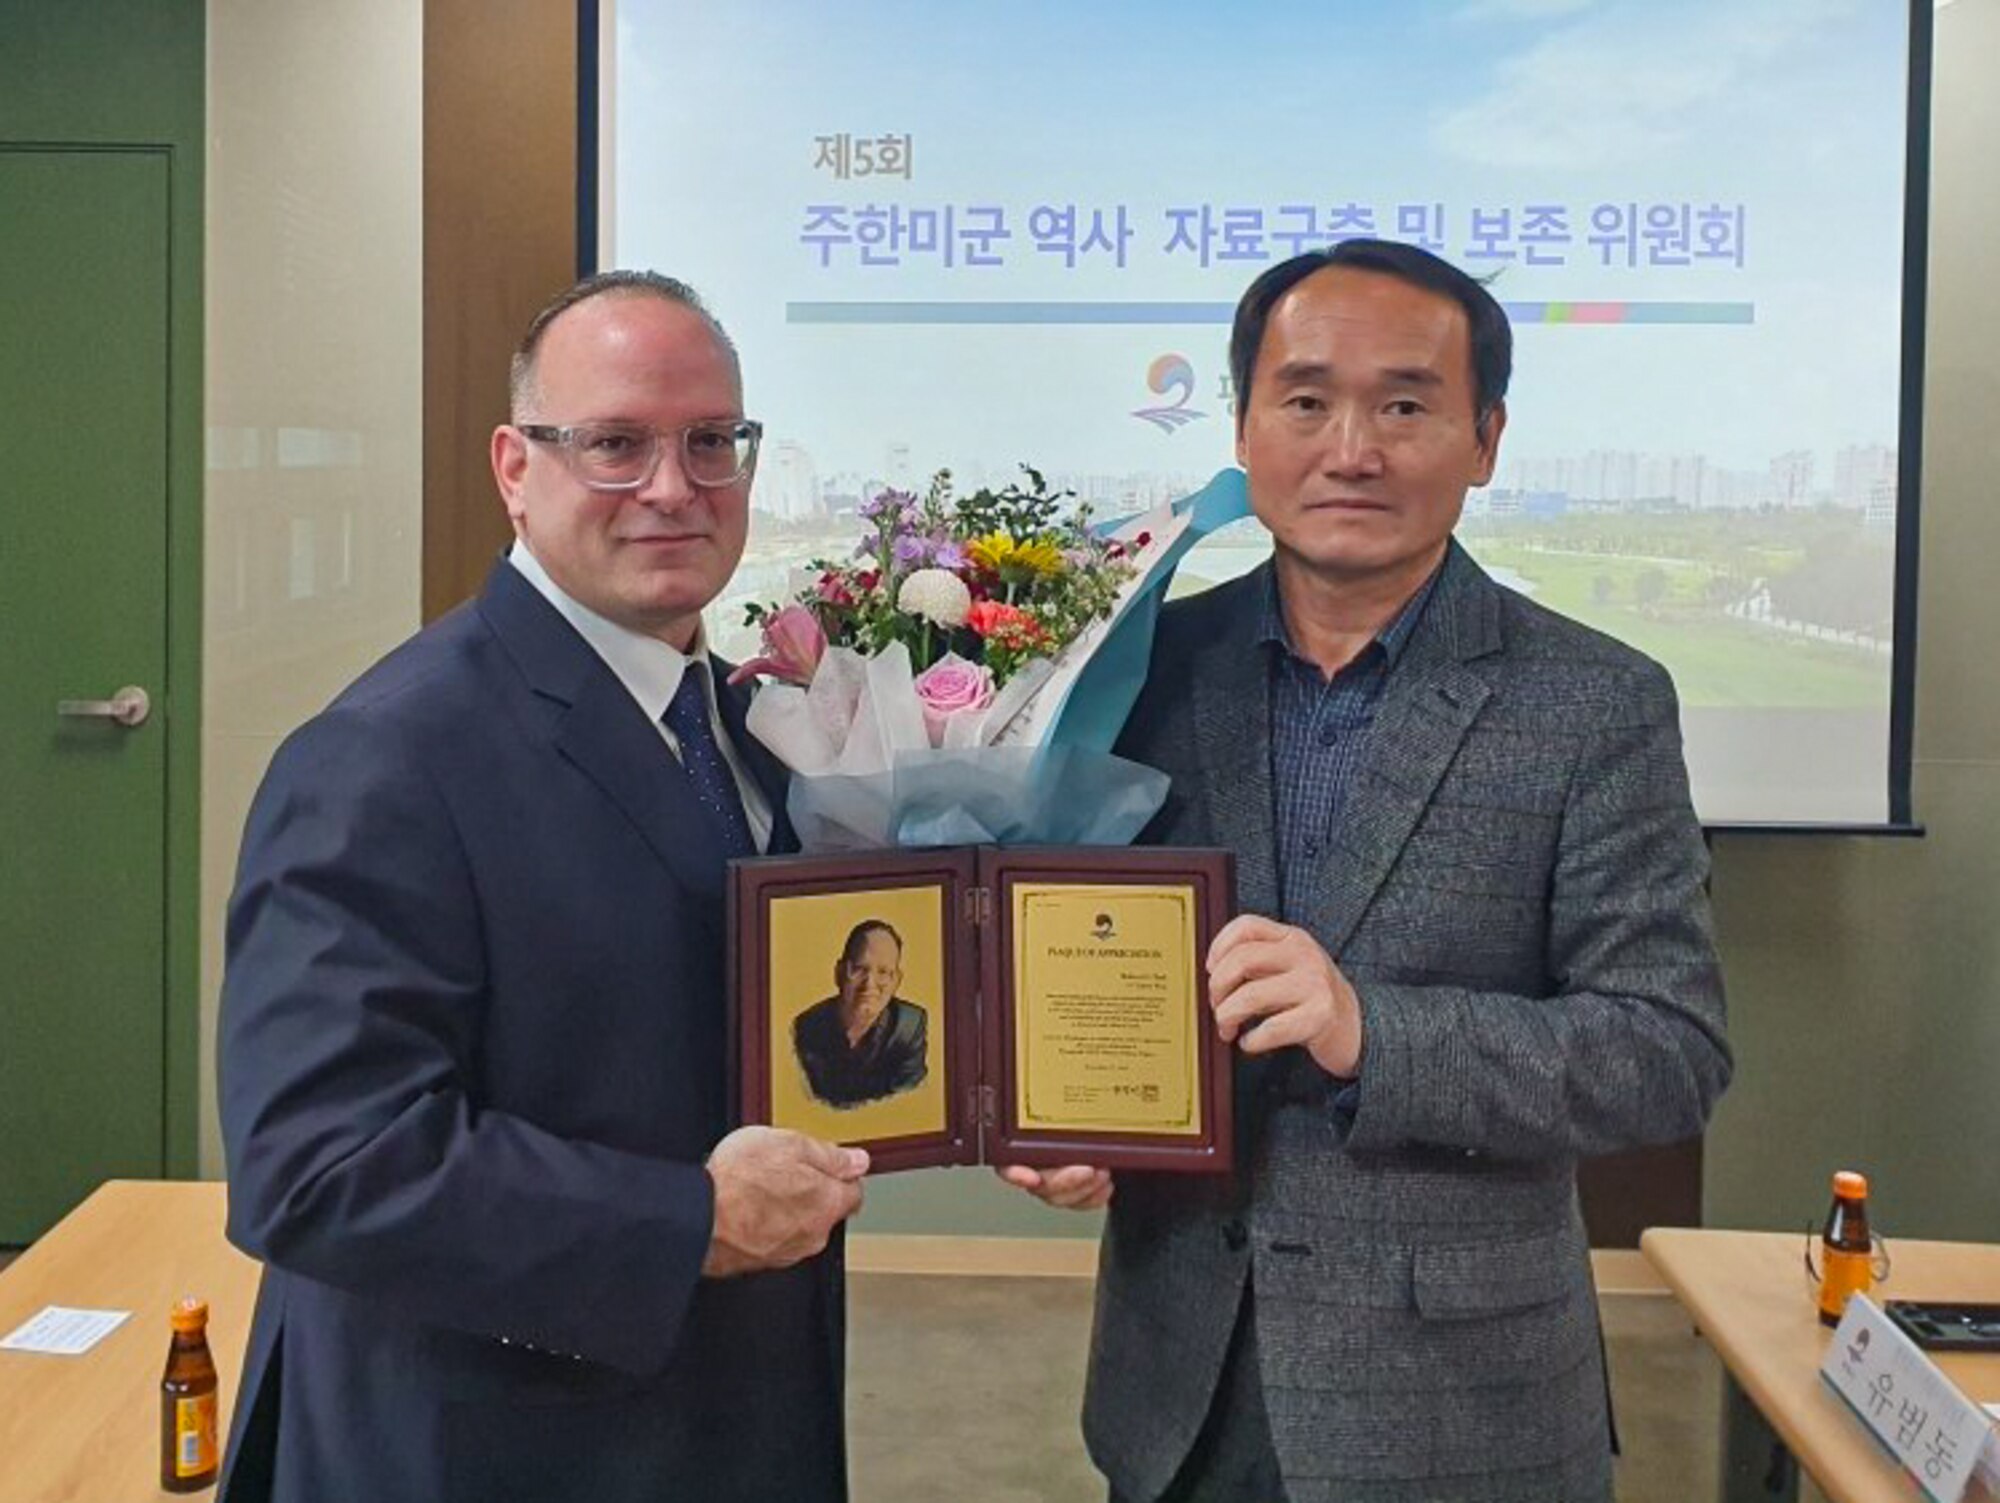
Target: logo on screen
1166	375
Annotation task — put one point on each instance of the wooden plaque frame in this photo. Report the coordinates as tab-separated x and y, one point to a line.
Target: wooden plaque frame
976	885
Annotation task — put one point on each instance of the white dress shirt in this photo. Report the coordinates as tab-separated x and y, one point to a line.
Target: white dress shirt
651	671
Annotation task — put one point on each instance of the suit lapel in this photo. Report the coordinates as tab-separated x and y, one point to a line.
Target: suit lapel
607	737
1427	706
1232	689
602	732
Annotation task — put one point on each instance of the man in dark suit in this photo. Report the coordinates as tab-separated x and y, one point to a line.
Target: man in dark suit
1474	947
864	1042
473	1020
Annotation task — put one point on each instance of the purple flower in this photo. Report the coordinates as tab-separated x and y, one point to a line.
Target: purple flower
909	551
948	554
893	505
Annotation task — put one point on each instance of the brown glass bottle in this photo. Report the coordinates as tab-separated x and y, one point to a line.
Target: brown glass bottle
1846	1247
189	1454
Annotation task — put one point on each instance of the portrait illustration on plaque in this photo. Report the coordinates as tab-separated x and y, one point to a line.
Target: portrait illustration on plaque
857	1040
866	1041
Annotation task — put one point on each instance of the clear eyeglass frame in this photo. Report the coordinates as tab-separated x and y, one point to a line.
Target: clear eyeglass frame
625	456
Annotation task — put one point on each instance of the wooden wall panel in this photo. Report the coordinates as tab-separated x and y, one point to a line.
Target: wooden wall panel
500	133
1624	1193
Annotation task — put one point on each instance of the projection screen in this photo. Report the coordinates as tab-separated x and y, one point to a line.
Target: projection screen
976	235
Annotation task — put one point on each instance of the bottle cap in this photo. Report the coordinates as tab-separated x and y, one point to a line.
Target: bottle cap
1851	1185
190	1314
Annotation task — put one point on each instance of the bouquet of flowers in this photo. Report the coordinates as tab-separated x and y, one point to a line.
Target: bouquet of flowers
923	690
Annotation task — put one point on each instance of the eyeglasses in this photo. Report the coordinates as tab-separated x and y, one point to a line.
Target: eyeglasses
624	456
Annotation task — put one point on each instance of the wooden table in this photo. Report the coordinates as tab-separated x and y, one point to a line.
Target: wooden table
1748	1295
87	1428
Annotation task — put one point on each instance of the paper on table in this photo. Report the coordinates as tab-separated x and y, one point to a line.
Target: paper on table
63	1332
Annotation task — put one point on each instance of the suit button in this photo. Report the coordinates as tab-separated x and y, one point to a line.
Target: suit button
1235	1236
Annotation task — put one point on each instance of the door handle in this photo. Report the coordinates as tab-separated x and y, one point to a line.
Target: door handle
129	706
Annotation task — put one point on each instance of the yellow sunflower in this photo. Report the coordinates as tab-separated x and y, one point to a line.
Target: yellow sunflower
1011	560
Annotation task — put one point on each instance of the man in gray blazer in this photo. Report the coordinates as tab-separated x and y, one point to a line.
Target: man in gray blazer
1473	948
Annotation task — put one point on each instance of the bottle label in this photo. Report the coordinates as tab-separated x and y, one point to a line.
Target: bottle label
1845	1274
194	1436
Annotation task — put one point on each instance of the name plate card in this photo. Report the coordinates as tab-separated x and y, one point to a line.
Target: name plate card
1938	1435
986	1005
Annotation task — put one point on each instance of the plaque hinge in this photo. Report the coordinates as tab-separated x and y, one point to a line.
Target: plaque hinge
979	906
989	1106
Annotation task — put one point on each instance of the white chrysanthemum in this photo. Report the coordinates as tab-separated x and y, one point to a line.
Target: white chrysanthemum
938	595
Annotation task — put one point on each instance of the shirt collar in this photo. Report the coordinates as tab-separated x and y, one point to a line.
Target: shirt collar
1391	639
650	669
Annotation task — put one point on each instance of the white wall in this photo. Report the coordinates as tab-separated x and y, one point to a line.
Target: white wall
314	314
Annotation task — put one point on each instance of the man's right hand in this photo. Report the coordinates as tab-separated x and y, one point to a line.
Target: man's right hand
1075	1188
778	1197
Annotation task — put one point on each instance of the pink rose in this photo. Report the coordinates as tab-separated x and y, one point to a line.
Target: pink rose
793	645
951	686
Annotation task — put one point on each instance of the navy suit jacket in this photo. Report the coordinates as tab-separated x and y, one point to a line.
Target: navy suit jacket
473	1053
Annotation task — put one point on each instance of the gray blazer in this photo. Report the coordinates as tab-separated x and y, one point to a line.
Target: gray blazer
1517	896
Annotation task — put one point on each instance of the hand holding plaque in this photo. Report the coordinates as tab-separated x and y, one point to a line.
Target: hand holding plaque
1040	1007
1275	986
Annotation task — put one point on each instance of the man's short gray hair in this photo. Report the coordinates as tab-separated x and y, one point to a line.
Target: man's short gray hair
521	370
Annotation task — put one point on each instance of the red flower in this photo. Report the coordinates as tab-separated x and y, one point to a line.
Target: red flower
1027	636
990	617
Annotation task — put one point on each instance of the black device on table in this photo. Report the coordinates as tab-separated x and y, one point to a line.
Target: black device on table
1939	1326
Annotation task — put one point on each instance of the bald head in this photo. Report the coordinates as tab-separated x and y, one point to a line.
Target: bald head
523	391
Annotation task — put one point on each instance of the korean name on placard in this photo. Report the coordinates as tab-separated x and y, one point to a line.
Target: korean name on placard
1932	1429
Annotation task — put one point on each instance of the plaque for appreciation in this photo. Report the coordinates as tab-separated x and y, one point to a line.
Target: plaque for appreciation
1040	1006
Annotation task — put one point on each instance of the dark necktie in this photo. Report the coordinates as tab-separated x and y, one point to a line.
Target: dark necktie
707	769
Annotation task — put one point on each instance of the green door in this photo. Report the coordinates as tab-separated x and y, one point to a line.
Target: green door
83	574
